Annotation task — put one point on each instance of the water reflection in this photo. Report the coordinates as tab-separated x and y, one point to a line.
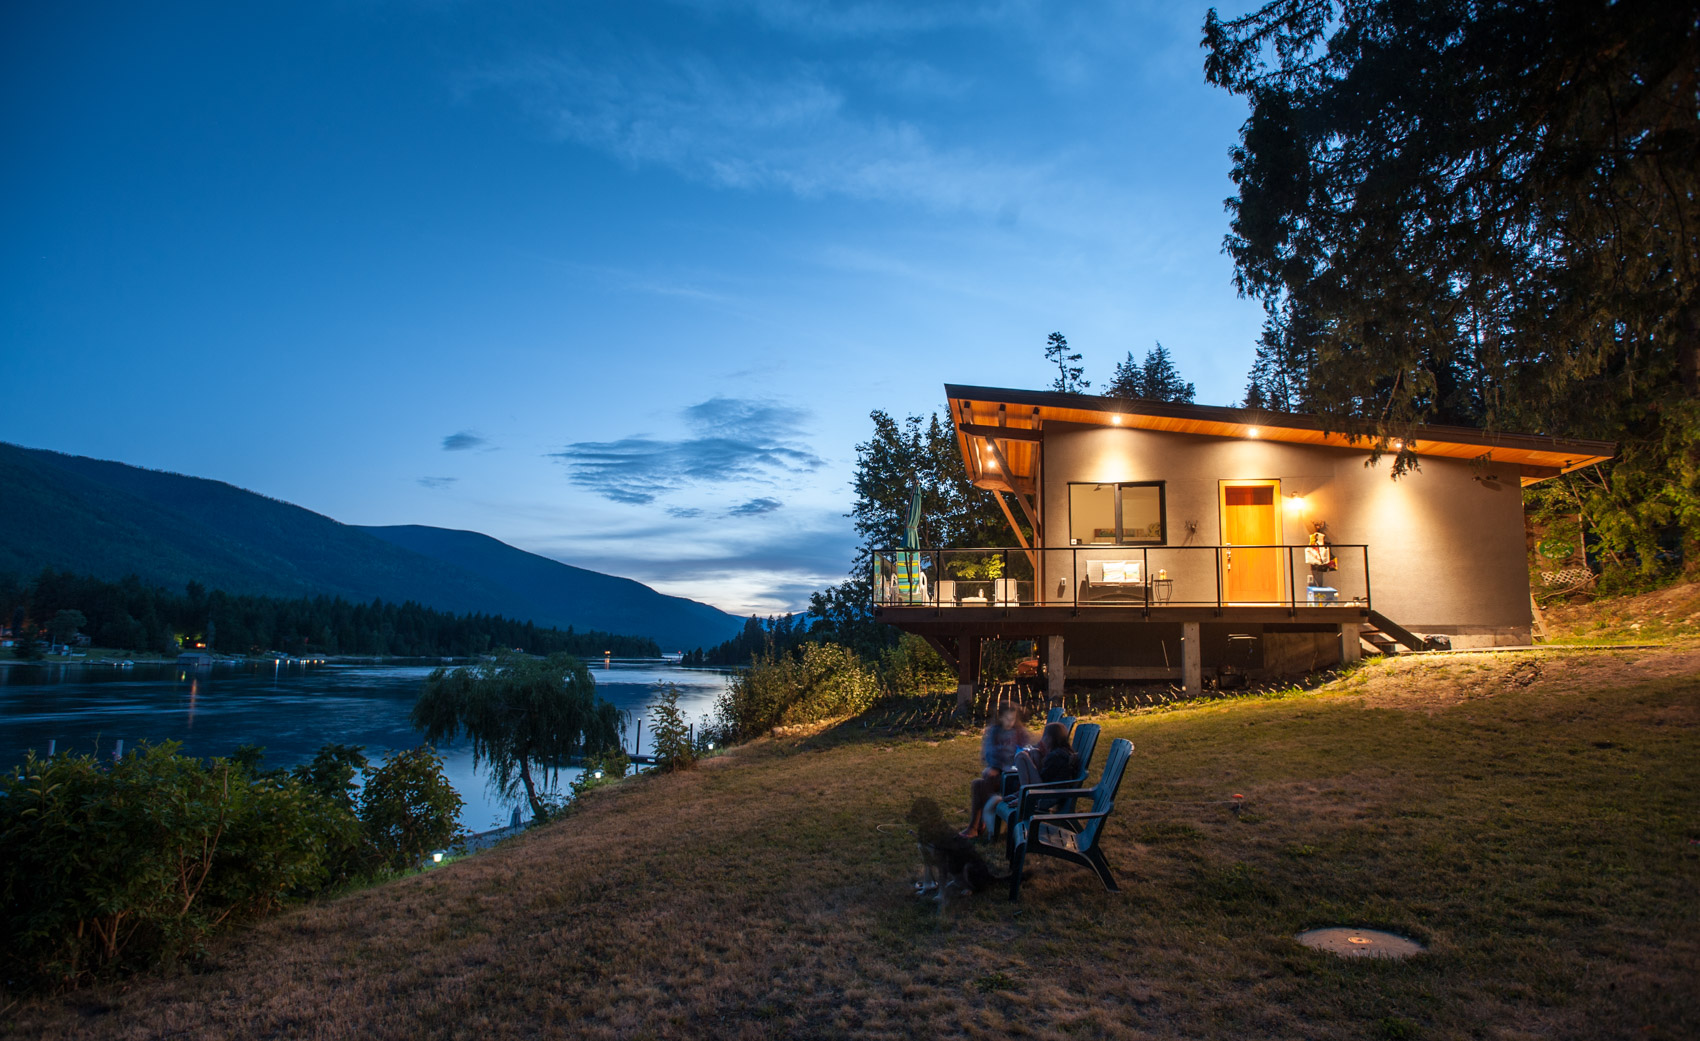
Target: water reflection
290	709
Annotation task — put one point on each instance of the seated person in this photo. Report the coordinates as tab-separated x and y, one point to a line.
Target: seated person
1004	739
1053	759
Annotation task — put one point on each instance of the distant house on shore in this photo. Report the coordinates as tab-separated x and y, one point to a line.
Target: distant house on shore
195	658
1172	541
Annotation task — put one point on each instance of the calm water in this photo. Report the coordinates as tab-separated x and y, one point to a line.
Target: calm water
291	710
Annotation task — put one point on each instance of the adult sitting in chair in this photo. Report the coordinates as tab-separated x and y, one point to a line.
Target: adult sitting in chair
1052	760
1004	739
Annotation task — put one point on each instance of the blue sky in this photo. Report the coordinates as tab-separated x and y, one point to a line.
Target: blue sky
618	284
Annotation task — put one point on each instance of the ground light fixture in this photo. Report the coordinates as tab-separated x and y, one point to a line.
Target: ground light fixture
597	775
436	856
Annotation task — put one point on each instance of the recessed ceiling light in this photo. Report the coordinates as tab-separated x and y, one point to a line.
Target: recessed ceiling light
1252	432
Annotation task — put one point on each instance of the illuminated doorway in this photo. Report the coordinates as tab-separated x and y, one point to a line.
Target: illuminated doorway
1251	516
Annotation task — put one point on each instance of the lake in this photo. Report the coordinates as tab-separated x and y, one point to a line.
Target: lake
290	709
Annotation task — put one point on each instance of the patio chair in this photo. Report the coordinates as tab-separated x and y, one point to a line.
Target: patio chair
1077	836
1055	715
1085	742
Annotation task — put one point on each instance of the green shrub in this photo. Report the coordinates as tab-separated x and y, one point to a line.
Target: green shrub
825	681
836	682
913	667
612	764
673	747
409	808
105	870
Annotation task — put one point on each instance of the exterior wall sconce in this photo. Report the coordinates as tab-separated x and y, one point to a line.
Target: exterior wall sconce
1296	503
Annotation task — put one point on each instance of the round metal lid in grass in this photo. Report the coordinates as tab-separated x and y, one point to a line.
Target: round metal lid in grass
1359	943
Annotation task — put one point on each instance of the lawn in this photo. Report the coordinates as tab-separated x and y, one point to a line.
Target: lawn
1531	818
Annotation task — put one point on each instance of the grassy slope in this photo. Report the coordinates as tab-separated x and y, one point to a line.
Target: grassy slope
1530	817
1671	613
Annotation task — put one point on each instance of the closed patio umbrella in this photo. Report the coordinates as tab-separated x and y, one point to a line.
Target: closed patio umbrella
911	581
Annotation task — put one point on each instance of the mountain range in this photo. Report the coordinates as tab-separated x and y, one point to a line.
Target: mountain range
108	519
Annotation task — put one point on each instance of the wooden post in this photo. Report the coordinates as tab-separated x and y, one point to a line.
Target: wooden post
1192	659
1056	672
967	672
1351	649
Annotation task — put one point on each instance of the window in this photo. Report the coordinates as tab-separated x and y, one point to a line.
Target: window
1116	514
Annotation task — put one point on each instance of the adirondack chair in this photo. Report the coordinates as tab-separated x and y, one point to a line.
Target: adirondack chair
1085	742
1055	715
1074	836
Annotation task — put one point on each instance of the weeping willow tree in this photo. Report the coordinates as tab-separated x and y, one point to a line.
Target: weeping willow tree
1482	212
525	717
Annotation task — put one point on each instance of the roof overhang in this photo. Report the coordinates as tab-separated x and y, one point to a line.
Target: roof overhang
998	431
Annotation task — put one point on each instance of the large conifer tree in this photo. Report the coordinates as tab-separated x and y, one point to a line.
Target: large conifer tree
1481	212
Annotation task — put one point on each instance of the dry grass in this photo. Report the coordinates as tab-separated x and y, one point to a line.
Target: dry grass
1668	614
1538	832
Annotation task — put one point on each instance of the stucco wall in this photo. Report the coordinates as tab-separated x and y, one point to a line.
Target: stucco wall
1446	550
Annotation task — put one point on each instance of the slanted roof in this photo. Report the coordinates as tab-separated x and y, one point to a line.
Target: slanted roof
1011	420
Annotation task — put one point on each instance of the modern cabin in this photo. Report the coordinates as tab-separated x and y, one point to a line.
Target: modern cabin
1154	541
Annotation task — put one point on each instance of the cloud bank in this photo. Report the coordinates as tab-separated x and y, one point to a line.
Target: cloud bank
737	439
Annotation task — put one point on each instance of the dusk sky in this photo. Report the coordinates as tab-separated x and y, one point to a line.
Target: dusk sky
617	284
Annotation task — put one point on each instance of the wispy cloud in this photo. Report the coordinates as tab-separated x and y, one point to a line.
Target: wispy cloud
860	18
737	439
685	512
437	482
755	507
463	441
796	131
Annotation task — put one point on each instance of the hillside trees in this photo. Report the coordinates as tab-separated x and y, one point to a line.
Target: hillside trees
920	451
1155	378
128	615
1483	213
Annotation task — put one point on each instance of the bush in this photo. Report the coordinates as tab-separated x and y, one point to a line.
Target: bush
409	808
827	681
913	667
108	870
836	682
612	764
673	746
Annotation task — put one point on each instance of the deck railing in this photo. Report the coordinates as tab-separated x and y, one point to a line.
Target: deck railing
1146	577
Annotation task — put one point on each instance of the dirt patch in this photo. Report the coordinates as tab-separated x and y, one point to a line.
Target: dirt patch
1672	613
1432	683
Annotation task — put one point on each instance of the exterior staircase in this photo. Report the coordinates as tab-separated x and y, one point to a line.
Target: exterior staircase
1382	635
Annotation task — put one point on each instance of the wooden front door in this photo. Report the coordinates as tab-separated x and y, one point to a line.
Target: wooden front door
1251	516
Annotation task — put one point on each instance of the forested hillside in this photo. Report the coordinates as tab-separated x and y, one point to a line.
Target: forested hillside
109	520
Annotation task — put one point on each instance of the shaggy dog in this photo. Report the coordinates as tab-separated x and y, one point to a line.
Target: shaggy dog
948	861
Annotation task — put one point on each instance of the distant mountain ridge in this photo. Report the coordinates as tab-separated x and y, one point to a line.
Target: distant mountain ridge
109	519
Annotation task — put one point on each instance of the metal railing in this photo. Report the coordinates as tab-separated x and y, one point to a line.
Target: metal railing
1122	576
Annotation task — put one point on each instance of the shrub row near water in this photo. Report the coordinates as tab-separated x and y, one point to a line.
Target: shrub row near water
112	868
824	681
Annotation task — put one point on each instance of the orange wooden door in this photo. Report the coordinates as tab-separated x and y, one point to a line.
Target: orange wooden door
1251	517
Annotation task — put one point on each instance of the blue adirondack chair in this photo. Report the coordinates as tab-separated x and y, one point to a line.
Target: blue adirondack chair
1085	742
1074	836
1054	714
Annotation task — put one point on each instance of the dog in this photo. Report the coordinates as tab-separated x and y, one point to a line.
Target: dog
948	861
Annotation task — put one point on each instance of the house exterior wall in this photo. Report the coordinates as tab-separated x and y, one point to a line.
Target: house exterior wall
1446	551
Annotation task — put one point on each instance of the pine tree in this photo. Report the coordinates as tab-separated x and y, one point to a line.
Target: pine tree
1069	370
1483	213
1153	379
